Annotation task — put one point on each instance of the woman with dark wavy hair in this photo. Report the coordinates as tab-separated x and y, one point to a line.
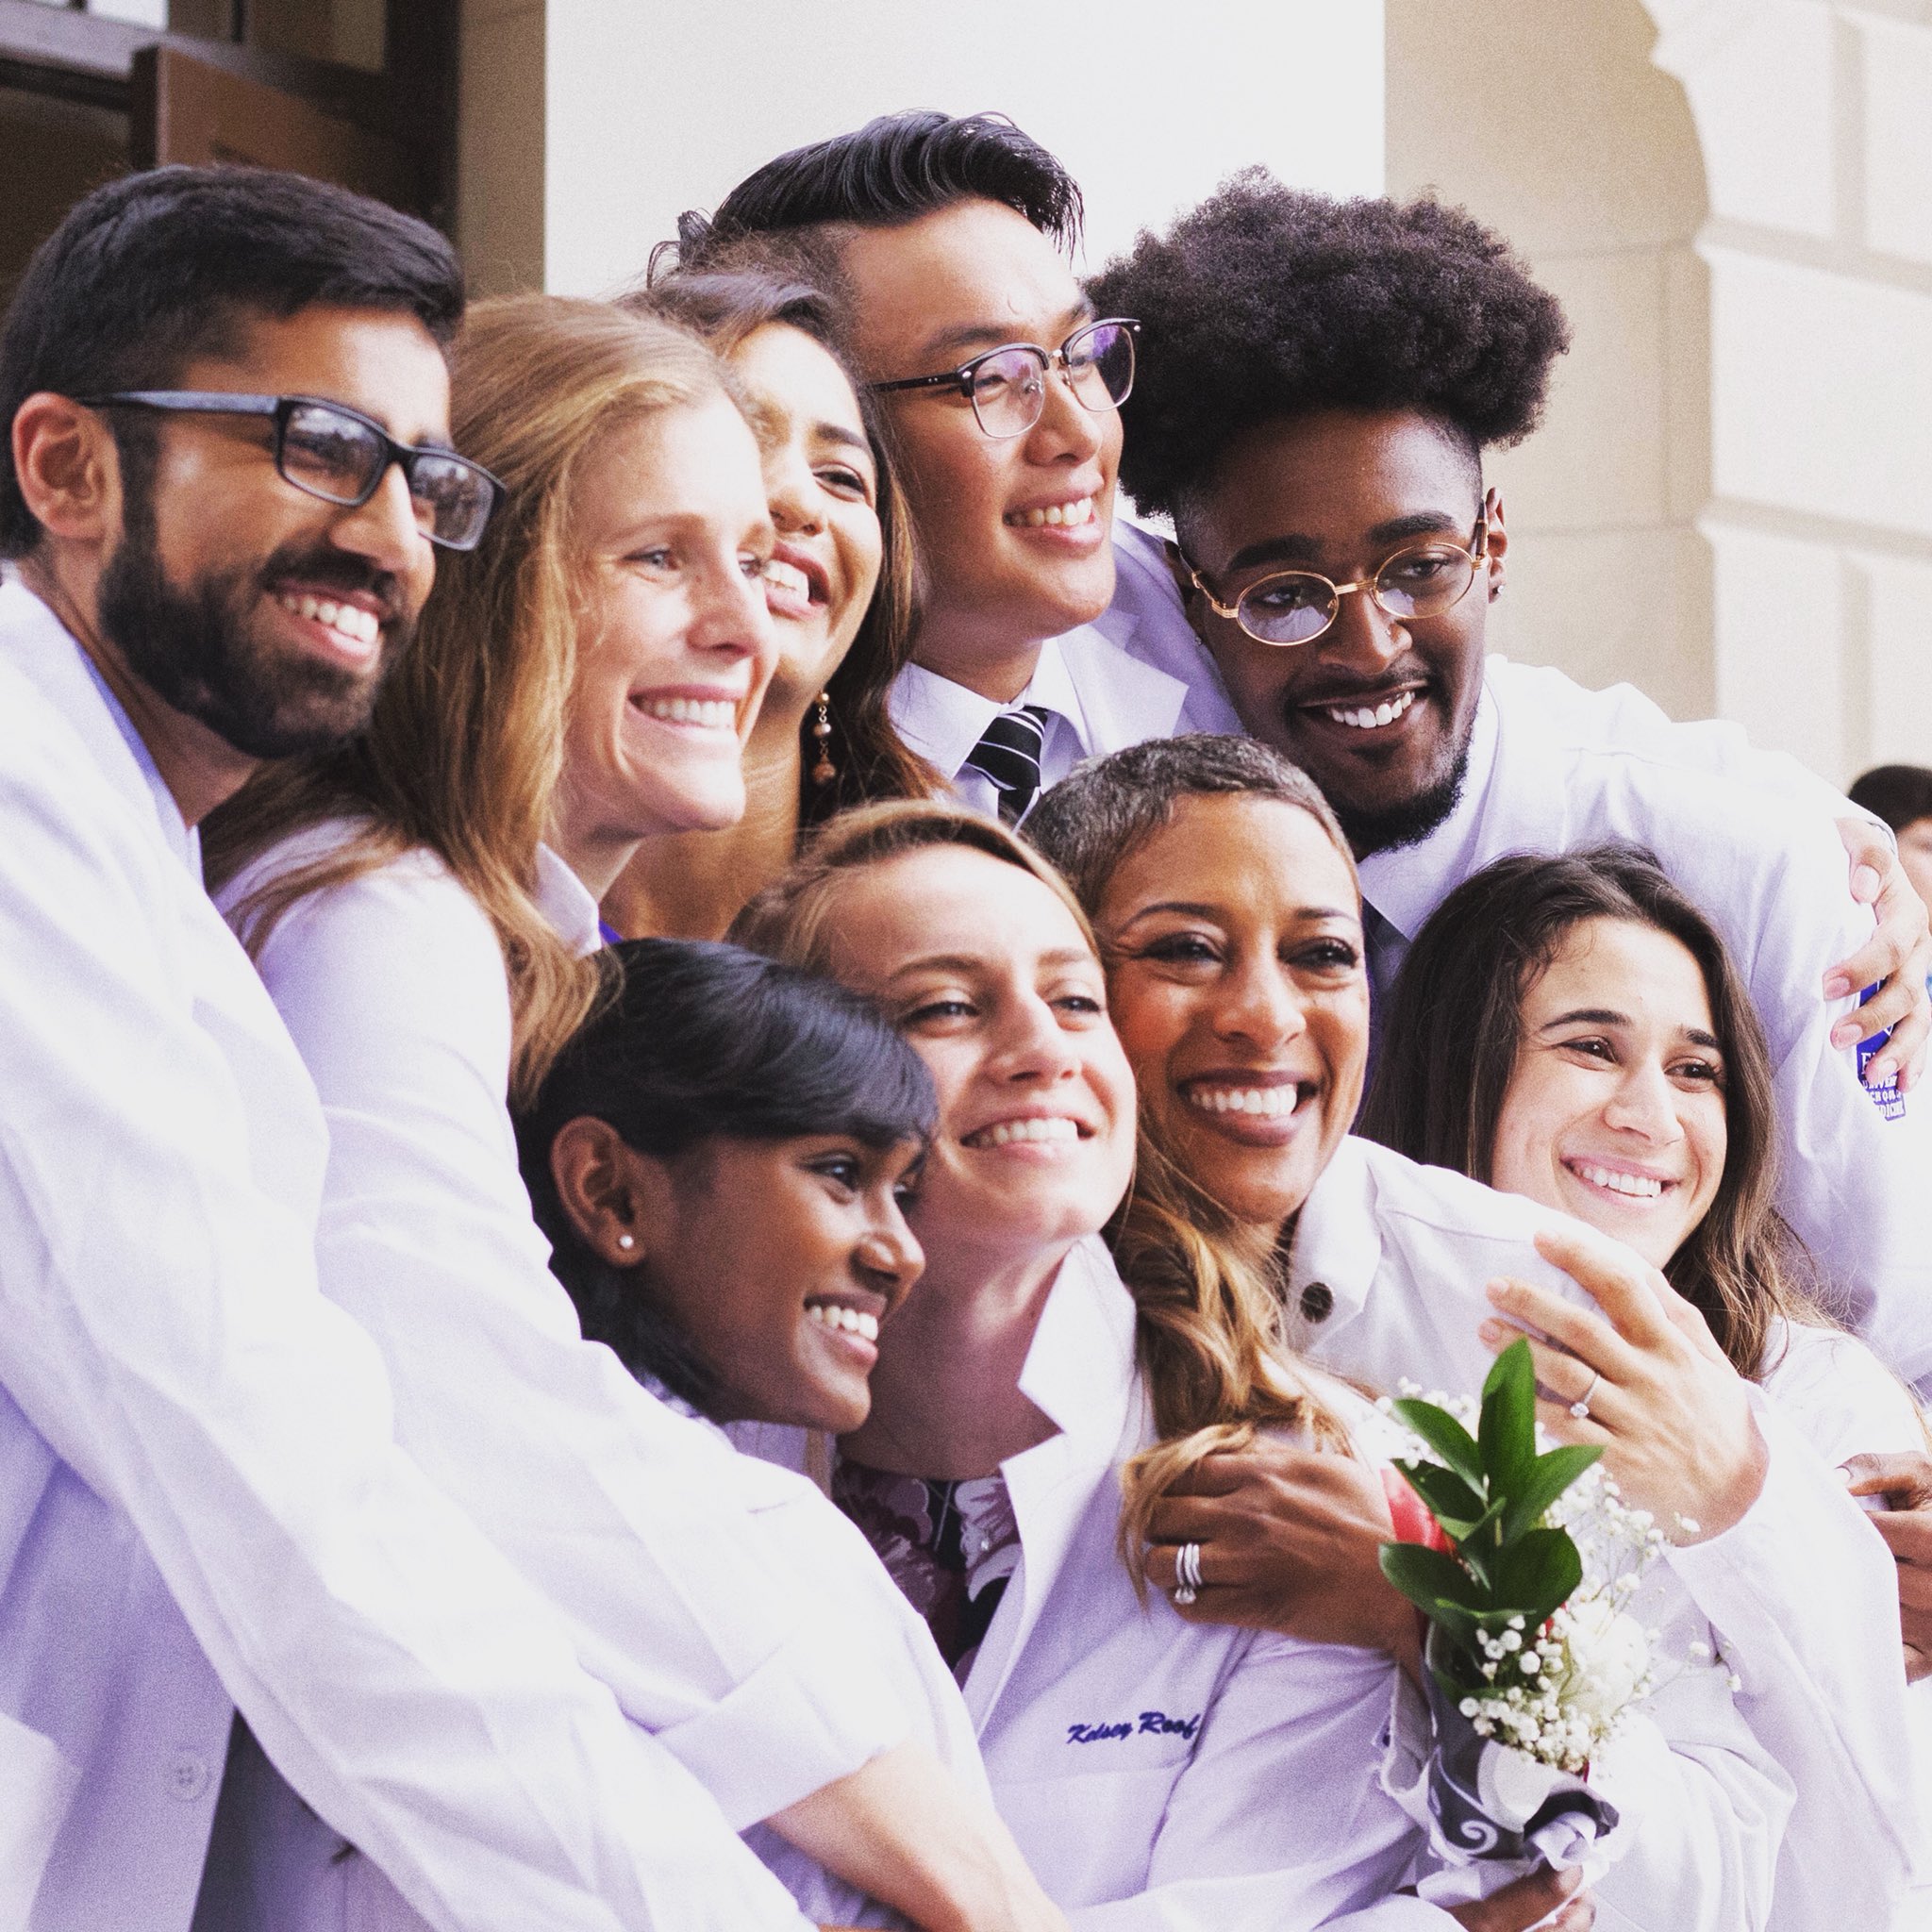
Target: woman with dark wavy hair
839	587
1572	1029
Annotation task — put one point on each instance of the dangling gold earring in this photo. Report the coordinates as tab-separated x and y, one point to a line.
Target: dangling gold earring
824	771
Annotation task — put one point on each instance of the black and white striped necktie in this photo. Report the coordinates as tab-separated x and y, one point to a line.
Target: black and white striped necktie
1008	755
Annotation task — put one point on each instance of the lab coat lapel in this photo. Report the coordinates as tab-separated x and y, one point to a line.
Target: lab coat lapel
1123	700
1081	1374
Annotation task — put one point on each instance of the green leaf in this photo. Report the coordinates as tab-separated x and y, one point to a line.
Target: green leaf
1507	1431
1446	1436
1451	1500
1538	1571
1479	1548
1426	1578
1548	1477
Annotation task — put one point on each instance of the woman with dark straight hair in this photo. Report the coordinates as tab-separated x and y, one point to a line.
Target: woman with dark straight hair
1455	1037
1572	1029
720	1159
840	588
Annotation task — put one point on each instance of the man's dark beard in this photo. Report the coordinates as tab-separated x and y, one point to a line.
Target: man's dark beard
1413	819
194	648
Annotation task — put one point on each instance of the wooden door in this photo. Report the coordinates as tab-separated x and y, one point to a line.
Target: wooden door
185	109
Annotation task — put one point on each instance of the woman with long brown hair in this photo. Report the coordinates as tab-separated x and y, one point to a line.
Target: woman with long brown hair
423	910
1224	896
840	595
1573	1030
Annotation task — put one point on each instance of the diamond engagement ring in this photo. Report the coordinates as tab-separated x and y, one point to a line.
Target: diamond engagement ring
1187	1570
1580	1408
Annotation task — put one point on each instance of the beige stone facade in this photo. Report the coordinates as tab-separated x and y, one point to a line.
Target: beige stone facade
1731	503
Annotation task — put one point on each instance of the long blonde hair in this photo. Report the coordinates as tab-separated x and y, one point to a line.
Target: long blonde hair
465	750
1209	1321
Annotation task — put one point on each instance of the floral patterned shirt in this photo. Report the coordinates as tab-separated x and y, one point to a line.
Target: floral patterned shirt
950	1547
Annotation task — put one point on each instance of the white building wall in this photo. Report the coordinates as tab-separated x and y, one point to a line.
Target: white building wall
588	124
1816	121
1548	123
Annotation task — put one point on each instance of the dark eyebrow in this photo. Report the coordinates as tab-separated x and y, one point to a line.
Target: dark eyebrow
1587	1016
1603	1016
845	437
1297	548
970	337
1191	910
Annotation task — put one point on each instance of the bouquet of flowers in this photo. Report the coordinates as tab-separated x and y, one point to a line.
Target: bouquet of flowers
1522	1562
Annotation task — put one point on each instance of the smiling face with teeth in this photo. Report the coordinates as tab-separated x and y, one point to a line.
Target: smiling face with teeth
262	613
676	645
1615	1111
1013	532
775	1261
1234	943
989	975
822	482
1378	711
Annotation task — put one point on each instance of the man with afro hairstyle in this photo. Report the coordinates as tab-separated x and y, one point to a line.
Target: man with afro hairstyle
1318	380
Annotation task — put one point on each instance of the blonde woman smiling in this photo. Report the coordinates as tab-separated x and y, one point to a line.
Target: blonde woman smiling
840	596
421	906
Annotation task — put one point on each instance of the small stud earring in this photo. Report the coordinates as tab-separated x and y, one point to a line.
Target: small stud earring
824	771
626	1241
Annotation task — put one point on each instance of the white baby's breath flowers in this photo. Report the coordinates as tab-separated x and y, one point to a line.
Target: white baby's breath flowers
1560	1692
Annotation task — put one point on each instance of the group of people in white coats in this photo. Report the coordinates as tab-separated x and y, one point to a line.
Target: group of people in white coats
683	1235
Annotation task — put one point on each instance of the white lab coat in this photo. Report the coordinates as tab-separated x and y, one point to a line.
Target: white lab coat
663	1551
1158	1774
200	1492
1747	834
1800	1594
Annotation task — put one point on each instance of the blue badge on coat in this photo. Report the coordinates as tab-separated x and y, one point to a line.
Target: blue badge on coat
1151	1723
1885	1097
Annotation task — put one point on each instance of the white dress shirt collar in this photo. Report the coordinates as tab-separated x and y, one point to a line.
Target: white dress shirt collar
1098	699
41	647
1404	883
565	901
943	721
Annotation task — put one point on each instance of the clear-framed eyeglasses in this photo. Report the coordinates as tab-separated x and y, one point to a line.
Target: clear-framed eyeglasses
331	451
1006	385
1296	607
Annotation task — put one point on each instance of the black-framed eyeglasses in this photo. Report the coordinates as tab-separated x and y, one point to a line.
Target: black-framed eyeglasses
1296	607
1006	385
340	455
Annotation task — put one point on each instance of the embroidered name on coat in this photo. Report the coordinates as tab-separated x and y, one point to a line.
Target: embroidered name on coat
1153	1724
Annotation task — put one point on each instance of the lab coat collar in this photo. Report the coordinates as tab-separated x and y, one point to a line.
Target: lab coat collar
1407	883
1081	1374
1336	1243
1122	700
565	901
48	655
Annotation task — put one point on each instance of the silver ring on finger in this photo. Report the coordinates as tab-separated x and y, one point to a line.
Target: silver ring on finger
1187	1570
1580	1408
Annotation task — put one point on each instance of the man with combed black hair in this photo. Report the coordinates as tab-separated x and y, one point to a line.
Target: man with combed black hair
1003	381
1320	380
228	470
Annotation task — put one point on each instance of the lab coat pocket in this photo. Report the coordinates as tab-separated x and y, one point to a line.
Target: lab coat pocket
1093	1831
